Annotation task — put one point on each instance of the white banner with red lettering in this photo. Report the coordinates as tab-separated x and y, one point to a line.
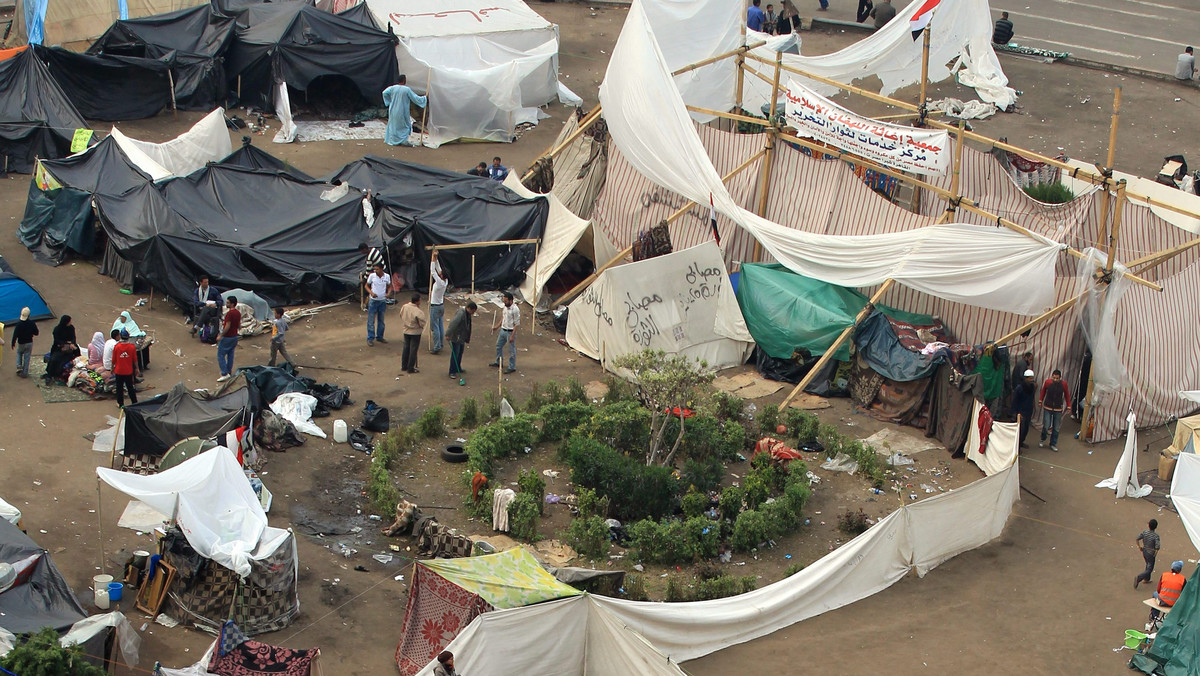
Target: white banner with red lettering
920	151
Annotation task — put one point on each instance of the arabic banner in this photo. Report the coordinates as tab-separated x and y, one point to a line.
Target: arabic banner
920	151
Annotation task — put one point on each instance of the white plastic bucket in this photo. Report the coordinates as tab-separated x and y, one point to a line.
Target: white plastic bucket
100	583
340	435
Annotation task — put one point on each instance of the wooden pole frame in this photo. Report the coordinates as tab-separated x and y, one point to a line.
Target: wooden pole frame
924	76
769	153
955	196
1114	233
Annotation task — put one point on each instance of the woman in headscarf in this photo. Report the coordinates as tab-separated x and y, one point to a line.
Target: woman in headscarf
125	323
96	351
63	333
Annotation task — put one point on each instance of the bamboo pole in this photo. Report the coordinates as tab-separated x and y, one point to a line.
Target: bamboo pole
1118	209
768	155
825	358
472	274
1106	198
924	76
1044	317
537	287
1154	260
477	245
728	116
741	61
100	524
112	456
171	82
952	203
578	288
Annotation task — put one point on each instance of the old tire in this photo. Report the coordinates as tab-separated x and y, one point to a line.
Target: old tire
454	454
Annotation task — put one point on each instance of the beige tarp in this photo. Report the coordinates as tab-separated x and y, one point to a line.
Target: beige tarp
565	232
82	21
1186	430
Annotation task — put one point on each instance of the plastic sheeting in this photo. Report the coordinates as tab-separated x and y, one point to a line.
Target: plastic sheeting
127	641
486	64
104	87
214	505
1097	319
1124	478
206	141
297	408
153	425
1185	494
915	538
9	513
976	265
37	119
564	230
681	303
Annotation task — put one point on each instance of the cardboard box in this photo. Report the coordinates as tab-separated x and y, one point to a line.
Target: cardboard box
1166	466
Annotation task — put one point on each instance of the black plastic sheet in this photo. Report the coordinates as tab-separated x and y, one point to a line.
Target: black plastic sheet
110	87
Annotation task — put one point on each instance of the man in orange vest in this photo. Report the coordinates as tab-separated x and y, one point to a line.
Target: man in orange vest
1170	586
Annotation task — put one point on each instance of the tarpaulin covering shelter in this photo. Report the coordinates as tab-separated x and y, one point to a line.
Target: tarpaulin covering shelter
681	303
1185	494
110	87
67	22
232	564
435	206
492	63
250	157
16	293
41	597
296	43
153	425
447	594
1176	647
565	232
192	41
36	118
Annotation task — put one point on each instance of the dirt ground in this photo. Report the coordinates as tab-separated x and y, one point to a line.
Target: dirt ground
1051	595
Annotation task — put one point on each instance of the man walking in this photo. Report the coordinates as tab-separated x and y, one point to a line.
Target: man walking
279	327
398	99
1185	67
22	342
459	334
437	308
379	287
230	325
412	324
1053	401
510	318
1149	543
125	368
1023	397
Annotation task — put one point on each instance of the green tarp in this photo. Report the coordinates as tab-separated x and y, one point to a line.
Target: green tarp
785	311
1176	649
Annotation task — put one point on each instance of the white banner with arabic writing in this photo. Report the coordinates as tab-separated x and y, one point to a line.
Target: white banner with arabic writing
920	151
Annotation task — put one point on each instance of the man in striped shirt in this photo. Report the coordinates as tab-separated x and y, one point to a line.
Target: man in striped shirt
1149	543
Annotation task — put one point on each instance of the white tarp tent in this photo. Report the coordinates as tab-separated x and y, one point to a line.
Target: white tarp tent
1124	479
1002	444
214	505
207	141
487	64
681	303
1185	494
563	234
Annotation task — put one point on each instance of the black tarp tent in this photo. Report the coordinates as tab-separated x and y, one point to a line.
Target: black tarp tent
266	231
436	207
152	426
191	41
297	43
36	117
250	157
110	87
41	597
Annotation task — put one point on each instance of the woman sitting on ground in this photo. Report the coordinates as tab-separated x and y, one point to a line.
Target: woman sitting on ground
94	378
63	333
140	339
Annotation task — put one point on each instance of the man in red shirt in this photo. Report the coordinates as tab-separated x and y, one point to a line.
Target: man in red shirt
1053	401
230	325
125	368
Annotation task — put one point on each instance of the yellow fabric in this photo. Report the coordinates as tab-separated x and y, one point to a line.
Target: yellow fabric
43	179
509	579
1186	429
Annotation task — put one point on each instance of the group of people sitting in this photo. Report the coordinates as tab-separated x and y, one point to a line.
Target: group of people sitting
495	171
106	364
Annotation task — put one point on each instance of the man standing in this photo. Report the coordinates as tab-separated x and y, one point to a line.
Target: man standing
125	368
459	334
883	13
1022	402
1003	31
109	346
497	172
1053	401
755	16
22	342
864	10
206	305
1024	364
279	327
230	325
399	98
412	323
379	287
437	308
510	318
1185	67
1149	543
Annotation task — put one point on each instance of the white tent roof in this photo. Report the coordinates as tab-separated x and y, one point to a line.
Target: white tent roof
562	234
681	303
443	18
207	141
1185	493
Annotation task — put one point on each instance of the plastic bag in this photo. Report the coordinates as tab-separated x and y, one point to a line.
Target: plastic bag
375	417
506	409
841	463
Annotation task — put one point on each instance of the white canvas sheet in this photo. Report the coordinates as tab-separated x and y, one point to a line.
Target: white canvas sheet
207	141
1002	445
1185	494
297	408
563	232
213	504
1124	479
9	513
681	303
982	266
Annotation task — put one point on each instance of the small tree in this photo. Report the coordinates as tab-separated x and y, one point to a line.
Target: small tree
663	383
41	655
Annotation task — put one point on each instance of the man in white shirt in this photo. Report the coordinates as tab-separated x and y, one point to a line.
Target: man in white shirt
109	345
379	287
1185	67
437	309
510	318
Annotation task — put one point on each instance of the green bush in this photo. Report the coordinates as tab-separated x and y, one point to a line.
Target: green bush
42	655
757	490
802	424
793	569
705	475
575	391
674	541
704	436
552	393
724	586
530	482
468	414
558	420
523	517
853	523
589	536
1050	193
732	498
590	504
727	407
619	389
648	538
676	591
399	439
482	508
624	426
536	401
635	588
830	438
490	409
768	419
500	439
635	490
432	422
749	529
694	503
380	490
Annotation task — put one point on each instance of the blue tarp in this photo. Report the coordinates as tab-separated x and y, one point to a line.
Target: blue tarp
16	293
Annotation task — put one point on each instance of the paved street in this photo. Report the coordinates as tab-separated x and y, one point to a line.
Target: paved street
1147	34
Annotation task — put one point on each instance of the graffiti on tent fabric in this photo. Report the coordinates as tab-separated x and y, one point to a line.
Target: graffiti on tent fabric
592	300
703	283
639	320
674	202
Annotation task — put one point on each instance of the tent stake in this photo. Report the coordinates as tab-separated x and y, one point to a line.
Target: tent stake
862	314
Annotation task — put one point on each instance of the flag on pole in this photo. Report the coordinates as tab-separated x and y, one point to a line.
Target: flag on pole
712	218
920	20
